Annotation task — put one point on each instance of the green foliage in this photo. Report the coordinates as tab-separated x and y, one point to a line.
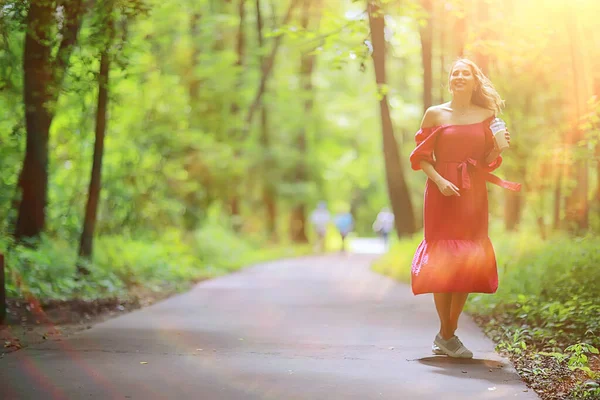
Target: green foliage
48	272
578	358
220	246
553	286
515	342
548	292
122	263
546	306
397	262
547	302
587	390
170	155
167	260
173	155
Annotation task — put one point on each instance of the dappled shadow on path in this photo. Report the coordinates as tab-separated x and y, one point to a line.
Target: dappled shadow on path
476	368
441	361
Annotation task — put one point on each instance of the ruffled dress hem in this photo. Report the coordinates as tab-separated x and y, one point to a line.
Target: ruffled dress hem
454	266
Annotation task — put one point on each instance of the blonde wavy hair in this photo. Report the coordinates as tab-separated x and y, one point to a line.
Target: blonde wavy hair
485	94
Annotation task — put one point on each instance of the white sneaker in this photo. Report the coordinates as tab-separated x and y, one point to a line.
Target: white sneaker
453	347
435	349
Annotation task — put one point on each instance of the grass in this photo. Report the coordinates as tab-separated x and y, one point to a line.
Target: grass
396	263
546	313
123	265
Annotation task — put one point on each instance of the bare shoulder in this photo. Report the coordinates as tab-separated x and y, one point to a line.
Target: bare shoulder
432	116
485	113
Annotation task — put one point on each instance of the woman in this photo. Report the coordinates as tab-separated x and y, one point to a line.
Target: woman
457	152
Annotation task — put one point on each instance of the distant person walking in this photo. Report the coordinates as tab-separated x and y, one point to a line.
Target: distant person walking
320	219
384	224
344	224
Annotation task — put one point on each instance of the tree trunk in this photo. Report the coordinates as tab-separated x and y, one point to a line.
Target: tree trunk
397	187
307	63
37	68
271	209
87	235
192	201
91	210
194	85
426	33
235	109
460	32
2	291
512	210
481	58
442	39
219	31
576	205
513	201
557	200
268	192
597	196
597	150
267	68
42	81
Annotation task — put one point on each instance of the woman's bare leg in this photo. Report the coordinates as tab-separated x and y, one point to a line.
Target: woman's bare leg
443	305
456	308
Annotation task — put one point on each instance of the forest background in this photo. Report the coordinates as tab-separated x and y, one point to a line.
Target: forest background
149	144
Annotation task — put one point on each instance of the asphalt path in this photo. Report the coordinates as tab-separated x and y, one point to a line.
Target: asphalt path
319	327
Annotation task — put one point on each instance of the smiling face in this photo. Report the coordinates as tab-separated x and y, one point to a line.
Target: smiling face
462	79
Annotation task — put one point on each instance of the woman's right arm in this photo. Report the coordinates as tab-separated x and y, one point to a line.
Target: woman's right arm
446	187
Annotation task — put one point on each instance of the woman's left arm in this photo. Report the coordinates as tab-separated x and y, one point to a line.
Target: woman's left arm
493	155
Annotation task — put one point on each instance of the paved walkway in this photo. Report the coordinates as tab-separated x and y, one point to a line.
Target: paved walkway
310	328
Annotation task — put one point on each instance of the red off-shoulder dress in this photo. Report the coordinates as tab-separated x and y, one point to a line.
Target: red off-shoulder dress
456	254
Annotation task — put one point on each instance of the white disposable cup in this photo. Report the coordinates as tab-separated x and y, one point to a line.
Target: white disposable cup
498	128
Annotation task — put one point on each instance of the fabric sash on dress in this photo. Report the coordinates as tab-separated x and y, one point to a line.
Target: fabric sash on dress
471	165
